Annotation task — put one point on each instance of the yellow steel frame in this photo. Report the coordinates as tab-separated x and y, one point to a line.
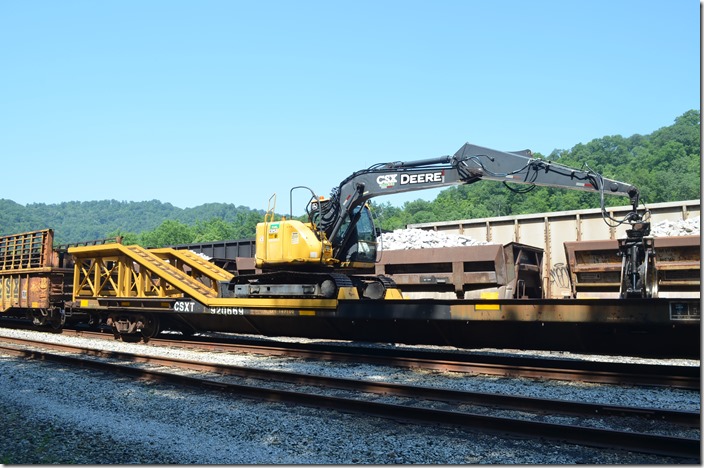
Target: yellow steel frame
116	270
118	276
120	271
194	266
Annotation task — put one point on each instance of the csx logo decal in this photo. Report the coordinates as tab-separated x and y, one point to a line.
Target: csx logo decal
386	181
389	180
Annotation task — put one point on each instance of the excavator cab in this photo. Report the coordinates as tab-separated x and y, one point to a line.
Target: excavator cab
357	243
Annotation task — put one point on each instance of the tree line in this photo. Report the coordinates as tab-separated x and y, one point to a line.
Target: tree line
665	165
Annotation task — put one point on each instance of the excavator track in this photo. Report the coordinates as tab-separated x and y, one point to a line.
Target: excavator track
295	284
289	284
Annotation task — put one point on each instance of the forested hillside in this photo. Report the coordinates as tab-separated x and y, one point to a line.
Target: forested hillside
665	165
81	221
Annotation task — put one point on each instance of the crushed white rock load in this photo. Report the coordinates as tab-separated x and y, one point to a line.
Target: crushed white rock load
408	239
681	227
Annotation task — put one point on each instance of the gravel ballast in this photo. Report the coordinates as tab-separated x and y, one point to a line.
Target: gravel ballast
55	414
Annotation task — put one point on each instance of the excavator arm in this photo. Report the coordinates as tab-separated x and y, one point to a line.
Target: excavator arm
471	163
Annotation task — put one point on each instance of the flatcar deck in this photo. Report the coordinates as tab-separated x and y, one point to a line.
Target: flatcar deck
643	327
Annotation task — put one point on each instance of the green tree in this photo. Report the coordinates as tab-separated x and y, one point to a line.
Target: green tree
170	232
213	230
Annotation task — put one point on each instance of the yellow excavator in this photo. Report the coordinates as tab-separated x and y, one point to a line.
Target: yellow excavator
337	246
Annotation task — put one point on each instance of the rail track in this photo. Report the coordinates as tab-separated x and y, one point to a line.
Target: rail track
671	376
408	403
603	372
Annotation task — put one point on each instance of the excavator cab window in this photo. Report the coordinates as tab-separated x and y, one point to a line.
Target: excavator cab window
361	243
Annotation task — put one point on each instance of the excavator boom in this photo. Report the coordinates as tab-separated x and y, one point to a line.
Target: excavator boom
471	163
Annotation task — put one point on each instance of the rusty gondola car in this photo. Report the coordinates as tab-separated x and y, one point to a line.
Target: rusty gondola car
35	279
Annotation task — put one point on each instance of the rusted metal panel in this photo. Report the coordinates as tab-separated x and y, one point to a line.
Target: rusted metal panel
511	271
10	291
595	267
527	263
245	266
677	252
678	266
38	290
30	272
25	251
479	277
558	227
428	270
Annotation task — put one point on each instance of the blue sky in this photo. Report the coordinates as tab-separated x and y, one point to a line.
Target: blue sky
192	102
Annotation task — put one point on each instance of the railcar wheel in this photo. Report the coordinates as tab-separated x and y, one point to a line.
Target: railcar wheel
651	282
53	318
133	327
149	328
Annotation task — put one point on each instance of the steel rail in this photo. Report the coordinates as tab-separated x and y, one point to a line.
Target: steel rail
685	377
512	402
647	443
